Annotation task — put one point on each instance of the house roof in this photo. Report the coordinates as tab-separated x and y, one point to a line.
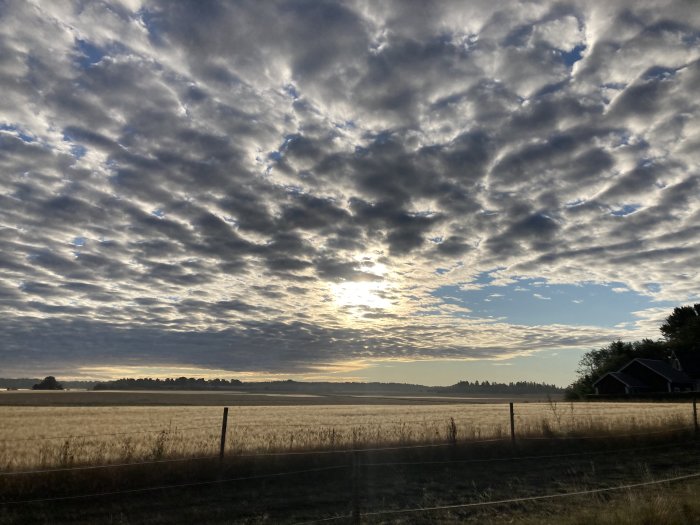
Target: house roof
625	379
662	368
690	362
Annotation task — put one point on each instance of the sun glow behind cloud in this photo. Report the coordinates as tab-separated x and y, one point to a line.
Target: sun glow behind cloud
207	188
363	294
371	293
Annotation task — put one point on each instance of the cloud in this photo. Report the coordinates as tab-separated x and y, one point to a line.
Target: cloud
227	166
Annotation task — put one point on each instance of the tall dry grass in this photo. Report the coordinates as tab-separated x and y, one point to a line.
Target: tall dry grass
668	505
41	437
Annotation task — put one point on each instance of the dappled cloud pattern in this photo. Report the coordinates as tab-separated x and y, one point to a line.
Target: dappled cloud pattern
278	187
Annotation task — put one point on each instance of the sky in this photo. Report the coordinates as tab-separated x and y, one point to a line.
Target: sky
407	191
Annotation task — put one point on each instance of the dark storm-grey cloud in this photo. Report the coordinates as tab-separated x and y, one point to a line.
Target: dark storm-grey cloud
201	167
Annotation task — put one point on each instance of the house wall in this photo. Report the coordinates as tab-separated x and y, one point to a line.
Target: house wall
610	385
656	382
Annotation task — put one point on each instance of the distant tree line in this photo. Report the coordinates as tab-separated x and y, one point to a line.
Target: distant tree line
191	383
28	382
681	334
518	387
179	383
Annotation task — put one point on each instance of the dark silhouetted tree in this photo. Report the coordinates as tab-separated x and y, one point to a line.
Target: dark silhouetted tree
48	383
682	328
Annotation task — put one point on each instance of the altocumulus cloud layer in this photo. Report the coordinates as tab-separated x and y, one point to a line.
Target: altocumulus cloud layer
280	187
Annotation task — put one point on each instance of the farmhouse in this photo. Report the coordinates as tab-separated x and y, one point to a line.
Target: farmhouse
619	383
646	375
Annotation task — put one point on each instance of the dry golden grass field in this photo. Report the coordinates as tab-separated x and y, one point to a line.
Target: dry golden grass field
299	459
46	436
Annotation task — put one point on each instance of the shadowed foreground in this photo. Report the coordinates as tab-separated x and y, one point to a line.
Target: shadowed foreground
296	488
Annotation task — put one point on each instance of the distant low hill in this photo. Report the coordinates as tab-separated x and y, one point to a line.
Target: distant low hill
289	386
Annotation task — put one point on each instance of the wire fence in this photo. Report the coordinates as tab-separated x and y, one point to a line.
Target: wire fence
381	512
176	429
106	466
617	435
355	452
332	445
524	415
507	501
174	486
105	434
341	451
366	514
508	458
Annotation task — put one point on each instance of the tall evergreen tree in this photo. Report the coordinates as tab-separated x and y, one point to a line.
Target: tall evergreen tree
682	328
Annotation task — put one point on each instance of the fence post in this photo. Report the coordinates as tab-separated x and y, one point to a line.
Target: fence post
224	422
512	424
356	488
695	416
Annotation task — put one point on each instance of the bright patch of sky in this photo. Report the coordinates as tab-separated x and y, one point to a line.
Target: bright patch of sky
535	302
552	366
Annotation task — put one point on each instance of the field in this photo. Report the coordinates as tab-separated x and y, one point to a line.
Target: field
84	398
49	436
295	463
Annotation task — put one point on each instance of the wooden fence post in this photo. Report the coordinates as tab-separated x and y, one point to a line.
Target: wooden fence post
695	416
224	422
512	424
